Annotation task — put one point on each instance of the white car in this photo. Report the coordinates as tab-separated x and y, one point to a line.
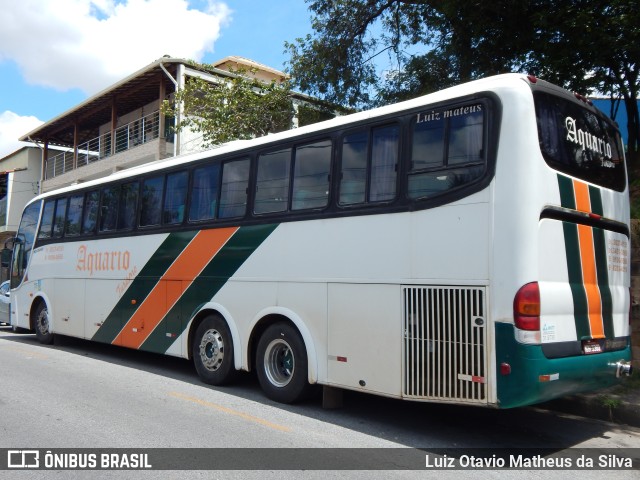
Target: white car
5	303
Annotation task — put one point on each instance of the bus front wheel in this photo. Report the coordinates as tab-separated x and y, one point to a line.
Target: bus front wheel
212	351
281	364
42	325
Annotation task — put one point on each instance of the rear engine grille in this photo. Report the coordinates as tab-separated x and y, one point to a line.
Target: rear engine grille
445	344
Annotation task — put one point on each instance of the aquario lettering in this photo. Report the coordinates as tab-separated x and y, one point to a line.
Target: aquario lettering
588	141
102	261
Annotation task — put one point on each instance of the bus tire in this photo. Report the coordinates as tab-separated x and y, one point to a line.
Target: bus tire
212	351
42	324
281	364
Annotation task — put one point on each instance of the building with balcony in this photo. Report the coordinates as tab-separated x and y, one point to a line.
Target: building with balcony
122	126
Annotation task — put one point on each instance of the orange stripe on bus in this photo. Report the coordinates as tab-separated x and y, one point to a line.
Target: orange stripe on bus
588	261
583	203
590	280
204	246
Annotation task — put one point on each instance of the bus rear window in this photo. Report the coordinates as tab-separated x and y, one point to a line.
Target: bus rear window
578	142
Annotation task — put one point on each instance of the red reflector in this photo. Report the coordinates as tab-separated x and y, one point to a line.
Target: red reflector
505	369
532	78
342	359
595	215
526	307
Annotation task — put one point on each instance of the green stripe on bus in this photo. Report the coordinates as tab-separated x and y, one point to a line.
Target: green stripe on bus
574	268
602	268
574	264
595	197
567	195
144	282
600	247
214	276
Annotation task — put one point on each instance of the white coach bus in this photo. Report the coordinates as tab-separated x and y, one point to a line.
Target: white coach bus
469	246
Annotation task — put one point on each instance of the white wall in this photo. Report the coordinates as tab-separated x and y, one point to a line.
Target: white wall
22	185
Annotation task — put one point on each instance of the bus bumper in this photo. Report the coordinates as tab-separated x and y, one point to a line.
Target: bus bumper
534	378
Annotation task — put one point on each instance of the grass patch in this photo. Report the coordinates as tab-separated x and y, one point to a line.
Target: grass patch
610	402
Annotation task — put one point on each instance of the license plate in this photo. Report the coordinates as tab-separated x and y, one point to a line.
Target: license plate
591	346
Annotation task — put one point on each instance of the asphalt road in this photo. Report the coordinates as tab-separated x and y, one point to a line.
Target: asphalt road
78	395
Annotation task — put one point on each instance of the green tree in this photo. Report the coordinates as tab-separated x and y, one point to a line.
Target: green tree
235	108
585	45
429	45
592	46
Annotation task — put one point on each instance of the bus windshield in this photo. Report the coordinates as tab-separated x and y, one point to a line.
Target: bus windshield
578	142
24	243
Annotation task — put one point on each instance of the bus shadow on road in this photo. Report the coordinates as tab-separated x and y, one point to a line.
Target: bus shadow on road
427	426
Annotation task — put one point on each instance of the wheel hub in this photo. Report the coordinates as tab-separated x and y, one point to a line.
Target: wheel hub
43	322
279	363
212	350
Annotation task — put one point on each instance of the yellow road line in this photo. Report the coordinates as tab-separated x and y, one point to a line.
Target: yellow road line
230	411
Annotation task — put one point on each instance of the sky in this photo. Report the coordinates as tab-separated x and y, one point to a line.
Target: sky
56	54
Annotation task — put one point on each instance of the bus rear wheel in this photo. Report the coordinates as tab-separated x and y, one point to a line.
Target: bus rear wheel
281	364
42	325
212	351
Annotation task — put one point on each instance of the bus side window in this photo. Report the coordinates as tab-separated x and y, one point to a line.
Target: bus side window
74	215
447	150
204	193
353	184
370	176
151	211
465	139
109	208
233	190
384	159
176	197
59	217
427	146
428	156
311	175
47	220
128	205
272	185
90	213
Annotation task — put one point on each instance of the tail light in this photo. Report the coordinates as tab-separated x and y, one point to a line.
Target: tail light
526	307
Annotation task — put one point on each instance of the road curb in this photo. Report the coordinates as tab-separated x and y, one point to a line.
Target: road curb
623	408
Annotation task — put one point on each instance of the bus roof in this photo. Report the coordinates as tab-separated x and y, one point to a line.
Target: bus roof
497	82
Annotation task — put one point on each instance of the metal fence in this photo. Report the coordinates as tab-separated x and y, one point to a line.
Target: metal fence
133	134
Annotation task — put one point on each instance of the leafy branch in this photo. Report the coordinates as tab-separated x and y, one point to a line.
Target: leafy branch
235	108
